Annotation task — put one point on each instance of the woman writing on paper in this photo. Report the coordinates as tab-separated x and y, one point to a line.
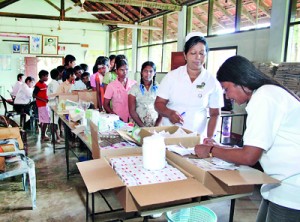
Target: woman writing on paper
271	137
142	96
186	92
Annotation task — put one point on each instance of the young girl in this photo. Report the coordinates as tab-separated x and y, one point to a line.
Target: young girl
116	92
100	68
142	96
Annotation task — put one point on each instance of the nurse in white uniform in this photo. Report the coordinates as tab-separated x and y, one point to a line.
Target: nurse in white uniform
187	92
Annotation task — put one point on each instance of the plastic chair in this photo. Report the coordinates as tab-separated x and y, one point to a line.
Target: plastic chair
17	163
6	112
193	214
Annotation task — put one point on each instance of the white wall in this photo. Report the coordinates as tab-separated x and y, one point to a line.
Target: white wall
252	44
95	35
73	34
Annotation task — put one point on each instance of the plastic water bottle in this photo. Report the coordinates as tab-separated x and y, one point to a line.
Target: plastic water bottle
226	127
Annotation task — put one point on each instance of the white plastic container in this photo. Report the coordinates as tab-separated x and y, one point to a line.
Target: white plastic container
154	153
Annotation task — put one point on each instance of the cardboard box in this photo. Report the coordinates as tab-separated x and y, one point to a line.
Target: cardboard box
98	175
68	96
88	96
98	153
222	182
185	141
11	133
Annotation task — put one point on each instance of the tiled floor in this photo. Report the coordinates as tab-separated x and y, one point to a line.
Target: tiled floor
59	199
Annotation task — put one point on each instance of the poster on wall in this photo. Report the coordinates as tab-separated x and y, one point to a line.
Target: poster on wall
61	49
35	44
5	62
50	45
16	48
24	49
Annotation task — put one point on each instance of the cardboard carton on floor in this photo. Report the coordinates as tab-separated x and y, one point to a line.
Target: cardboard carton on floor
222	182
98	175
185	141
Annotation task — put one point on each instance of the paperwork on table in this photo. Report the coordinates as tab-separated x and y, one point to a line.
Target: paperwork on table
206	164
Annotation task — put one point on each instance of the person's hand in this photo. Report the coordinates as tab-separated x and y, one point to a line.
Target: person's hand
202	150
175	117
209	141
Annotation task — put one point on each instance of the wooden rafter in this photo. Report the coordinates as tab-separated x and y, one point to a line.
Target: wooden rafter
70	8
117	12
3	4
45	17
246	13
162	6
223	10
53	5
214	20
264	8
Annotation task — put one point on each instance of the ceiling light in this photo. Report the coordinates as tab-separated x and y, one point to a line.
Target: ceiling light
132	26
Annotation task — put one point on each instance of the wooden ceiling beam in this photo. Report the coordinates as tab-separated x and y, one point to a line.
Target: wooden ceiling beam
158	5
264	8
46	17
117	12
62	10
3	4
70	8
215	20
53	5
246	13
223	10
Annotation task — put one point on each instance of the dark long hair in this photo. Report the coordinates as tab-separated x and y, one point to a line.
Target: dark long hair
121	62
142	86
242	72
101	60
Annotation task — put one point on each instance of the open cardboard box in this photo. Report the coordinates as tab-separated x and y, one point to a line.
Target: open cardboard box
98	175
185	141
222	182
97	152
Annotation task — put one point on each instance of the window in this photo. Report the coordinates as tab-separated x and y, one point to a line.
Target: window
155	55
223	16
168	49
121	43
199	18
172	27
293	44
144	35
157	35
217	56
156	46
223	20
142	57
255	14
113	41
293	54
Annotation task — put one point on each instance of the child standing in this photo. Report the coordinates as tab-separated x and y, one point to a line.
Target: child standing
52	89
40	94
117	90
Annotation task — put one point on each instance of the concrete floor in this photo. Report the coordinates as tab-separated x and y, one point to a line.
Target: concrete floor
59	199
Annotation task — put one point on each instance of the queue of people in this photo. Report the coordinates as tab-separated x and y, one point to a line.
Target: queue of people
185	96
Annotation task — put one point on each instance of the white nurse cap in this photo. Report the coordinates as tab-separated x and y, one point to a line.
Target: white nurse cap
192	34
